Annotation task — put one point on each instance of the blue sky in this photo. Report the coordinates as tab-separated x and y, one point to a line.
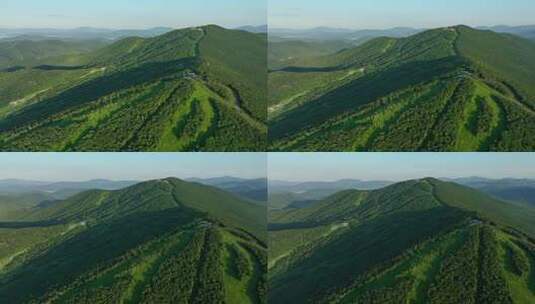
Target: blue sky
130	13
129	166
398	166
393	13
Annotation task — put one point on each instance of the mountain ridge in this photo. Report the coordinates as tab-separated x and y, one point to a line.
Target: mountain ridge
208	75
370	246
471	69
155	241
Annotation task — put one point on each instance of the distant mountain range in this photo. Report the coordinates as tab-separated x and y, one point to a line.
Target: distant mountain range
92	33
276	186
20	186
254	29
519	191
329	33
253	189
81	33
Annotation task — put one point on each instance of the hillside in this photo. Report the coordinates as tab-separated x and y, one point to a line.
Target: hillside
448	89
158	241
420	241
287	52
21	52
195	89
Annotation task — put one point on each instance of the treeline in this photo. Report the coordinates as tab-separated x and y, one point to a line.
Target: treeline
209	286
492	287
261	257
240	264
174	280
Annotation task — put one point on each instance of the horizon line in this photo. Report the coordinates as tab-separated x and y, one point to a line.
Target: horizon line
390	28
124	28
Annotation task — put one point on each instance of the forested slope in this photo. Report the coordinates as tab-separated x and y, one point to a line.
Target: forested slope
448	89
187	90
163	241
421	241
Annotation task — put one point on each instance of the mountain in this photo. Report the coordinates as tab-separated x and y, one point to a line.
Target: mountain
252	189
284	52
195	89
526	31
519	191
23	51
284	194
328	33
254	29
276	186
24	186
13	204
82	33
447	89
159	241
419	241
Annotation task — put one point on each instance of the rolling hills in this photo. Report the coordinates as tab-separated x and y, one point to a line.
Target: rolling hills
284	194
194	89
255	190
419	241
80	33
446	89
160	241
518	191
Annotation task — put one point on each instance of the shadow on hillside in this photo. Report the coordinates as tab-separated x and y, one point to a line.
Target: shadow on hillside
99	245
360	92
341	260
19	225
46	67
13	69
95	89
295	69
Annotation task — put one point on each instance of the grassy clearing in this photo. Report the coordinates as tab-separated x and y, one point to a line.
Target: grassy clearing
480	107
518	285
95	118
147	267
243	290
420	266
190	122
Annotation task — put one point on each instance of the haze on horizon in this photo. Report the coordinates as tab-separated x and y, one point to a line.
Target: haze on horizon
385	14
129	14
303	167
53	167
